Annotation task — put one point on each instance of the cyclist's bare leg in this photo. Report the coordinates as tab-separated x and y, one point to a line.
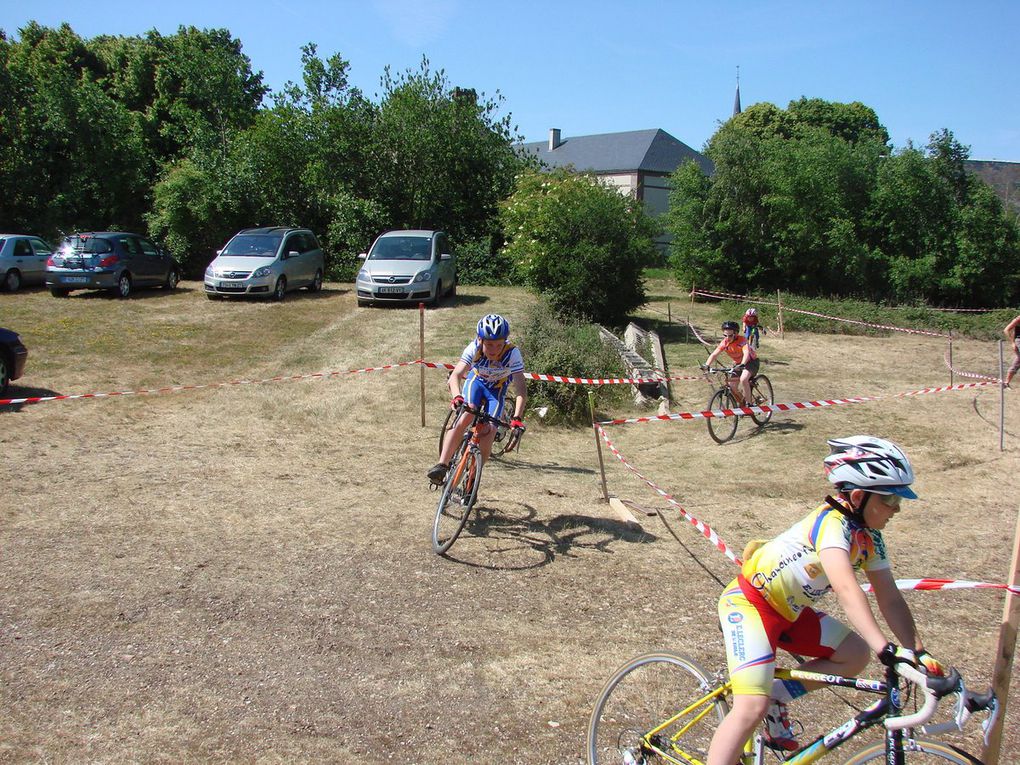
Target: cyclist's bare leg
485	442
849	659
745	385
735	390
736	728
453	437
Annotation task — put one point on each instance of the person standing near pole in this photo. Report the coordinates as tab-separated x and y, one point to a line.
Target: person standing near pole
1012	333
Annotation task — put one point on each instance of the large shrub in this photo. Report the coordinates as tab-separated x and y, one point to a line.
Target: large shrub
579	243
554	346
479	263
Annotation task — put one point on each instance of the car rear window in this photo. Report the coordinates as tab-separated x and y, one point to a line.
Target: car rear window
89	245
402	248
253	245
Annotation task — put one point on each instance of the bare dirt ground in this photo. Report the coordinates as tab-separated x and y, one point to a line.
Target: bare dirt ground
244	574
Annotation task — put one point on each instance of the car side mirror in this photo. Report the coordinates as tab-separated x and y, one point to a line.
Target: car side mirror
446	256
362	255
293	254
218	253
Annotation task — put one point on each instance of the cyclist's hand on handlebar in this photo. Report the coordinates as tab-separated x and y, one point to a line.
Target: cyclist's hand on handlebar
893	654
457	401
737	368
517	424
932	665
703	366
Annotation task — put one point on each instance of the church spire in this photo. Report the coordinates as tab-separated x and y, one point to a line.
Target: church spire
736	98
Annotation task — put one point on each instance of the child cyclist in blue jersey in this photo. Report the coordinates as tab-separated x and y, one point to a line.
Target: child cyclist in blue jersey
770	604
489	366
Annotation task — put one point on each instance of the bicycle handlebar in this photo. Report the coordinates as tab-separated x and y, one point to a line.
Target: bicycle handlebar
728	371
968	703
932	688
483	416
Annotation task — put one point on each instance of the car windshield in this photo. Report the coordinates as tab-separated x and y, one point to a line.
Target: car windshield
401	248
88	245
253	245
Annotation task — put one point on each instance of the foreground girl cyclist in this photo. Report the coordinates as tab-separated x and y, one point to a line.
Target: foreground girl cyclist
488	366
770	603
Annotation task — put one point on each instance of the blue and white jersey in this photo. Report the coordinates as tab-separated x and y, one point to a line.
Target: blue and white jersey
495	374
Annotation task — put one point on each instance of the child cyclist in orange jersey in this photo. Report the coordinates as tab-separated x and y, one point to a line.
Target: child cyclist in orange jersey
744	357
770	604
488	367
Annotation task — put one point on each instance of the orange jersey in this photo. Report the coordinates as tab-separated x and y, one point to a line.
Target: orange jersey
734	348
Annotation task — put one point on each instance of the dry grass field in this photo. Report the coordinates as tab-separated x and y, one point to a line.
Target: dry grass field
244	573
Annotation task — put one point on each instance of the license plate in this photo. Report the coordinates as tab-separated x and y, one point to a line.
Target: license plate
75	279
392	289
231	285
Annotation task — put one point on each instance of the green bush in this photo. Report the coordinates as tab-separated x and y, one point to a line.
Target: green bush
553	346
477	263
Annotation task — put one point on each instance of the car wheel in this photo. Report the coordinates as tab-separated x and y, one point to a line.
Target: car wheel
453	290
57	292
316	284
281	289
364	303
124	285
5	373
434	302
12	281
172	280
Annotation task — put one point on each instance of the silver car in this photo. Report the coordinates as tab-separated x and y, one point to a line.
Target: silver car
408	266
22	260
266	262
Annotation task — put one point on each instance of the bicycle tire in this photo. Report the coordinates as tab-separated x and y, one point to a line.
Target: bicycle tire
502	442
722	429
451	417
761	393
457	499
916	751
642	694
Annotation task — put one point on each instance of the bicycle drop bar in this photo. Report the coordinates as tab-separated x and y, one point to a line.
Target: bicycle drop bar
483	416
933	689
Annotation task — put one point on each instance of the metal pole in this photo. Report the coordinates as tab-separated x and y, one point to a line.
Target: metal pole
421	356
598	445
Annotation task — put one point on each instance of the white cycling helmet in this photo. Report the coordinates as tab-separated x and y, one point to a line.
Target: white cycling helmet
869	463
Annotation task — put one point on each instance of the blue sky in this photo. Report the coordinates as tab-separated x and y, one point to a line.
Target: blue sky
601	66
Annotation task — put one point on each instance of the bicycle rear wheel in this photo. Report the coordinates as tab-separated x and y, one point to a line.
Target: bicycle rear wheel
458	497
722	428
917	751
642	695
761	394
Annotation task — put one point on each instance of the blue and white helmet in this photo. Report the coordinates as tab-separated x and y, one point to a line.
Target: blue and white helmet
493	327
869	463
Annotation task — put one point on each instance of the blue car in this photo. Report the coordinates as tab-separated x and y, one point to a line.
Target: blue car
12	358
109	260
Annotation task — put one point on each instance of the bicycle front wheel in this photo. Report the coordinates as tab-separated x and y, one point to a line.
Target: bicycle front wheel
761	395
458	497
917	751
636	717
451	417
722	428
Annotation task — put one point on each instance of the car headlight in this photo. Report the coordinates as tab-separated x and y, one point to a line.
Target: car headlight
260	272
424	276
363	276
209	271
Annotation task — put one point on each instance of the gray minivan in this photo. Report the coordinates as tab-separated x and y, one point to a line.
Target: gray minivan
413	266
264	262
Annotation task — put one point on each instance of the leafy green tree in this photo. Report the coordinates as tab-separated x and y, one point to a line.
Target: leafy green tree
580	243
443	156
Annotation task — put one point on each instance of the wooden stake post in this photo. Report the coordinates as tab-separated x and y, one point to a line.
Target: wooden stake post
950	356
1004	655
598	445
779	299
421	356
1002	400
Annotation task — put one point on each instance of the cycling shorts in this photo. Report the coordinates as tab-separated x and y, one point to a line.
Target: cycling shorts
752	630
753	366
481	395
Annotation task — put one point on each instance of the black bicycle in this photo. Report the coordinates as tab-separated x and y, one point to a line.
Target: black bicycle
722	429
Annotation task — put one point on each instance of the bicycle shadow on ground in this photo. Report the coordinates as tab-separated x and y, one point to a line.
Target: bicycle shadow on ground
993	419
774	427
514	462
508	536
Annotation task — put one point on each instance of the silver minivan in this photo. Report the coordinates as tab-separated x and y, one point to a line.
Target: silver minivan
266	262
22	260
407	266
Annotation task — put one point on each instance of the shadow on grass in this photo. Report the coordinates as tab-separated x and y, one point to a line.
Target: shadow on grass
512	537
20	391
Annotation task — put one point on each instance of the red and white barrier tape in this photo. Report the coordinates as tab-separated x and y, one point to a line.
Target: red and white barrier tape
798	405
733	296
955	371
698	337
580	380
928	332
710	534
704	528
203	386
